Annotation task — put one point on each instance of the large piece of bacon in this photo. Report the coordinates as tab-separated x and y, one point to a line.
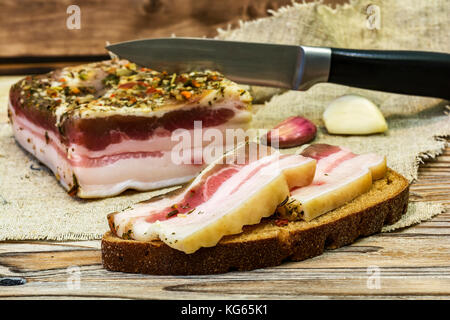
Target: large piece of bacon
106	127
236	190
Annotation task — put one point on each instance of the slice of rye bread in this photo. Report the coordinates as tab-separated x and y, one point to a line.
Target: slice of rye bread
266	244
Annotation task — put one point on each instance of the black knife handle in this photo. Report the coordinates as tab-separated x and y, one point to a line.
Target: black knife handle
406	72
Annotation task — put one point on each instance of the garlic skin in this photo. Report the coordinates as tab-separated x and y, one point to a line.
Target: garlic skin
352	114
291	132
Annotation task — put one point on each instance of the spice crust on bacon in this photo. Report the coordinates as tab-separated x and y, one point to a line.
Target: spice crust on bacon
113	115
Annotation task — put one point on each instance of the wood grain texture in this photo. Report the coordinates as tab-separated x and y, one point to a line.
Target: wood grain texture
39	65
414	264
38	27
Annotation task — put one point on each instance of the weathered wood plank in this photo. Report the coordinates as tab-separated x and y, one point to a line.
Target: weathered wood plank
379	250
25	68
32	261
340	286
38	27
32	31
410	267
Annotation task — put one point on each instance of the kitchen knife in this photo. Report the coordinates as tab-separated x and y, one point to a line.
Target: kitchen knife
296	67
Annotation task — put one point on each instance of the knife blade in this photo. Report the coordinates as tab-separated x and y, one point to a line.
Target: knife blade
244	62
295	67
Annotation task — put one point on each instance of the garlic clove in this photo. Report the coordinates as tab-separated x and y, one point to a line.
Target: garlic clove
352	114
292	132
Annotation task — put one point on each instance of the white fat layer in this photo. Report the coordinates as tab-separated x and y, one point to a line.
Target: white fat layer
44	152
24	124
107	190
224	201
145	169
139	173
145	210
339	177
324	163
227	198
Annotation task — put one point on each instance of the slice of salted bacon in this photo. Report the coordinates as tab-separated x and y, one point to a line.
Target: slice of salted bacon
340	177
239	189
292	132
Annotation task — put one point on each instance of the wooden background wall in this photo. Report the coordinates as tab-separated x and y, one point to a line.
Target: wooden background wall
34	37
38	27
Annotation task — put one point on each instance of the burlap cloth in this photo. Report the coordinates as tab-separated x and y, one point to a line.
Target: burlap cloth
34	206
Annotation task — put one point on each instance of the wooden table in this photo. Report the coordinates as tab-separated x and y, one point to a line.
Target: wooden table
411	263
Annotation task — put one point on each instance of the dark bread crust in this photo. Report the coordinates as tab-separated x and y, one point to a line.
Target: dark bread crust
267	244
